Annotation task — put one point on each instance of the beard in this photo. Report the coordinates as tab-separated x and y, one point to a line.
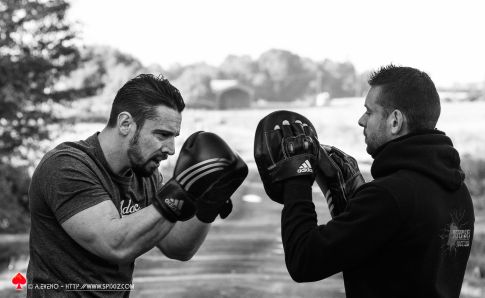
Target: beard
139	166
375	140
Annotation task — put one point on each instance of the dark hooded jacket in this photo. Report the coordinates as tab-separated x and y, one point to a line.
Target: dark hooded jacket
408	233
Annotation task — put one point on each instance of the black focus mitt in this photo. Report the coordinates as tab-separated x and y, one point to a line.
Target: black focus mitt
285	146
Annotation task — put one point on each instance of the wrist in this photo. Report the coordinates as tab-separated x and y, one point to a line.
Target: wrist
206	216
165	213
297	189
174	203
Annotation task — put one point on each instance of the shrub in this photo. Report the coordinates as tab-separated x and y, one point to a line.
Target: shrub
474	169
14	186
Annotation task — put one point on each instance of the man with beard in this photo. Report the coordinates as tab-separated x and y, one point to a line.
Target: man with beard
98	204
407	233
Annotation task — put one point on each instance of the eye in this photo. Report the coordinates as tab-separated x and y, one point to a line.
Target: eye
162	136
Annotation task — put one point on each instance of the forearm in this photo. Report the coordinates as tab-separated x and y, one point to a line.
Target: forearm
306	255
184	240
132	235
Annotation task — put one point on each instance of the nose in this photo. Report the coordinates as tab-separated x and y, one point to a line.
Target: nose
361	121
168	146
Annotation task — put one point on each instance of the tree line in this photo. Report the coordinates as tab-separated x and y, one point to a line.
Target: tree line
276	75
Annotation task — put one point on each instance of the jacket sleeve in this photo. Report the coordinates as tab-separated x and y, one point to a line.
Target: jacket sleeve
314	252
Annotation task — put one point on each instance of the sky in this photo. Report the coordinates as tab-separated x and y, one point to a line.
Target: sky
444	38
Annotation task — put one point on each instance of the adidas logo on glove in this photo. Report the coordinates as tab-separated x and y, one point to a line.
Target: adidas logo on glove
305	167
174	204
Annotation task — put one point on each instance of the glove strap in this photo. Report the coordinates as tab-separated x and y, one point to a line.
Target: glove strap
298	165
174	203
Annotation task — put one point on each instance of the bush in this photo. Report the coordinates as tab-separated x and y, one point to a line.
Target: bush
14	186
475	179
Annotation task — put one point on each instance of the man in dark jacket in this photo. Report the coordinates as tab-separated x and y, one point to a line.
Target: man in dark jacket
408	233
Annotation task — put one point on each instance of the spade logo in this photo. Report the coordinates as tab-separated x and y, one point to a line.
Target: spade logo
19	280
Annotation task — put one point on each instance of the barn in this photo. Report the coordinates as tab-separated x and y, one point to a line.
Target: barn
230	94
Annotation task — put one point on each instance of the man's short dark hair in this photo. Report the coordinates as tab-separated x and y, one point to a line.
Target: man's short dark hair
411	91
141	96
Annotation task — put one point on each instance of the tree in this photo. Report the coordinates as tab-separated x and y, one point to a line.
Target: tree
37	52
289	78
241	68
194	84
339	79
37	49
106	67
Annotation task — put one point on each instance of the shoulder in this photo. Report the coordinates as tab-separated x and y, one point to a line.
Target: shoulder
69	151
401	187
373	191
64	157
399	181
372	204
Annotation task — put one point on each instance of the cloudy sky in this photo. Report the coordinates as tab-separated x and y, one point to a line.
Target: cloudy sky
444	38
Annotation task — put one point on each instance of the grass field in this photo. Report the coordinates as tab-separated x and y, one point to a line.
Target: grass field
243	255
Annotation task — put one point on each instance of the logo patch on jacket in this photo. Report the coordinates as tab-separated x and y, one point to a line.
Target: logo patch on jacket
456	235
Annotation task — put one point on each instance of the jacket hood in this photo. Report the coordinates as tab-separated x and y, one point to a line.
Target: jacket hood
429	152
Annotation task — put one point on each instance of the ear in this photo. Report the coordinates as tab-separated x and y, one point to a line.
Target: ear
125	123
397	122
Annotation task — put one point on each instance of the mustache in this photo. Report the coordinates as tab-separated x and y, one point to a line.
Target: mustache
159	157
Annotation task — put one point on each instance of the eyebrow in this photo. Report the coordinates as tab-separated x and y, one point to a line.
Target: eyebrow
164	131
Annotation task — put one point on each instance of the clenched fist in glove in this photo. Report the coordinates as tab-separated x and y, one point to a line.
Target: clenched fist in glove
223	177
285	146
338	176
206	174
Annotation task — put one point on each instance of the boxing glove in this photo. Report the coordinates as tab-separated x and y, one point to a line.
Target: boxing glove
217	201
205	163
338	176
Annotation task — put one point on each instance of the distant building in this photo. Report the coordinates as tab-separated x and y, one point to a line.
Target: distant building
230	94
460	95
452	95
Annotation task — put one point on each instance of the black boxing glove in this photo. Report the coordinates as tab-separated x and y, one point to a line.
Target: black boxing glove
210	171
338	176
203	160
217	200
174	200
285	146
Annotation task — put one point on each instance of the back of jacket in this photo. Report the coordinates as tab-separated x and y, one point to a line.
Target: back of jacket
427	254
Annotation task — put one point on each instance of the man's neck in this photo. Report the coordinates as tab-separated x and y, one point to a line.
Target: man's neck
113	151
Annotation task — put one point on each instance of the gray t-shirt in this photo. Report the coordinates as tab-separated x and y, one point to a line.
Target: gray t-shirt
69	179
